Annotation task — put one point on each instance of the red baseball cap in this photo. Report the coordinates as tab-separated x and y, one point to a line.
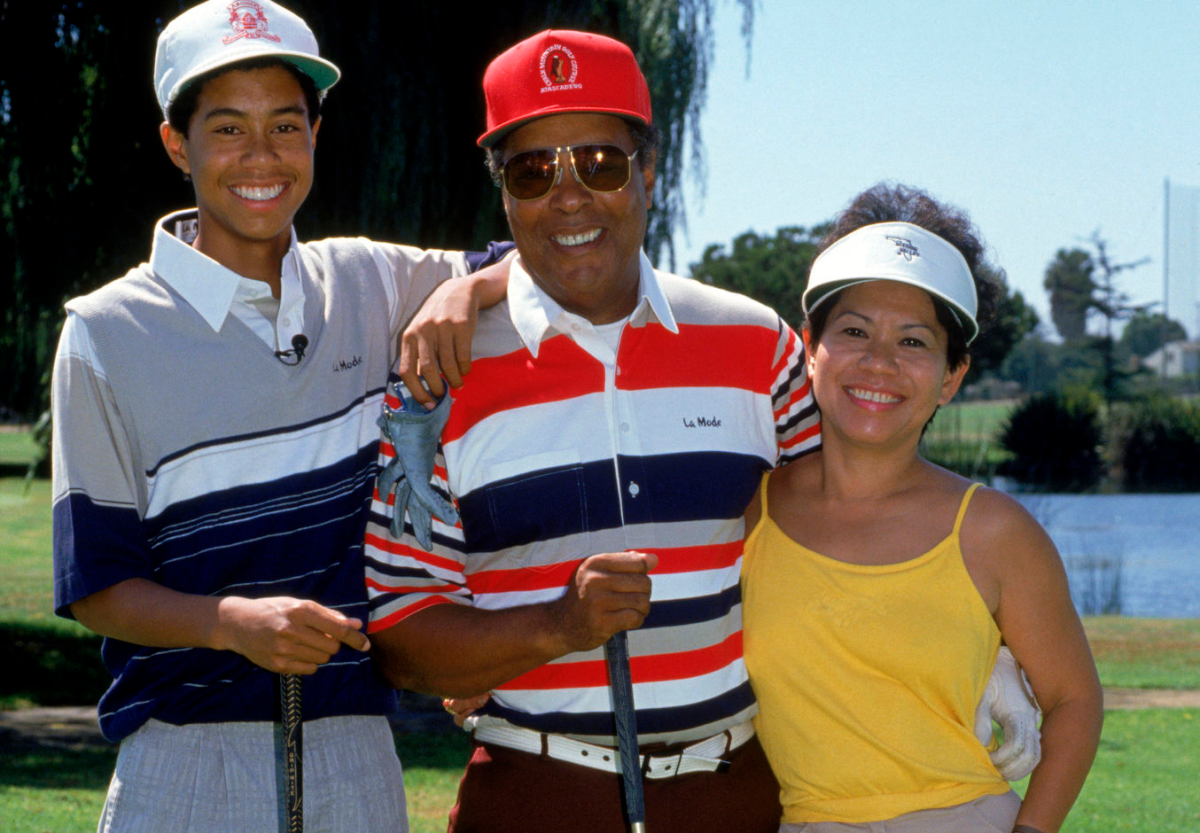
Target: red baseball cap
561	71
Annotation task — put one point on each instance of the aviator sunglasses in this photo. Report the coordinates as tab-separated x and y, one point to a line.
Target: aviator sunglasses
531	174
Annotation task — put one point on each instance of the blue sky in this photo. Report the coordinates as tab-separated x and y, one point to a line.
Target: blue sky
1046	121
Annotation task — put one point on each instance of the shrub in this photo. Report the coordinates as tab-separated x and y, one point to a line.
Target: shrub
1158	446
1055	441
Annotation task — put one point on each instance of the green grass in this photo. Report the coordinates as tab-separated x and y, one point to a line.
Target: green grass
1135	784
1146	653
1138	783
432	766
27	591
965	437
16	448
973	421
1144	775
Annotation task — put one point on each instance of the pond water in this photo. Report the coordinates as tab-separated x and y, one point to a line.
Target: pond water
1137	555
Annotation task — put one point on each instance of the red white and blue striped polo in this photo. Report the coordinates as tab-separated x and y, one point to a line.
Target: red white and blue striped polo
559	447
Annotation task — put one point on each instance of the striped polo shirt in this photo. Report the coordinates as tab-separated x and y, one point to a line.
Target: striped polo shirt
559	447
187	454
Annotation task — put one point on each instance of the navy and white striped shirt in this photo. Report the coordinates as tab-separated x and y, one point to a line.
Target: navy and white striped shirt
187	454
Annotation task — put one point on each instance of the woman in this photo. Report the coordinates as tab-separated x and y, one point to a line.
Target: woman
877	587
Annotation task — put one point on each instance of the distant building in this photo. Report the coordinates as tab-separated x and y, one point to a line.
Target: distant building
1174	360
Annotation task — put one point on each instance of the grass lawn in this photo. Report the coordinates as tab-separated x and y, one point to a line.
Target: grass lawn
26	592
965	436
973	421
1145	756
1146	653
1137	784
1144	776
16	447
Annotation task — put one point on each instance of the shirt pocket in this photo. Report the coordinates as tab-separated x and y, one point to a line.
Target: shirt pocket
528	499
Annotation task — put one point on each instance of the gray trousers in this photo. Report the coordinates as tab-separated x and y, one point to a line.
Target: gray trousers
990	814
209	777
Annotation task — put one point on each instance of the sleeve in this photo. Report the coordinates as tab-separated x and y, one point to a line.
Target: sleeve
797	420
98	538
410	274
401	576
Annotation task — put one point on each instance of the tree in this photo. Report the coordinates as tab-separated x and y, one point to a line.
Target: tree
1145	332
1055	441
83	177
1083	283
1069	281
1014	320
1113	306
773	270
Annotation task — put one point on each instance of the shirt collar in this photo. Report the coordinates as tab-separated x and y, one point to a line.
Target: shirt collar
536	315
206	285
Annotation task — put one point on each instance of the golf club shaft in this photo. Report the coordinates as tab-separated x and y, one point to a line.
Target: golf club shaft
616	652
293	752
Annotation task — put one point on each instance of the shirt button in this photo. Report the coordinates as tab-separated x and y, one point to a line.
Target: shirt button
624	426
633	489
287	322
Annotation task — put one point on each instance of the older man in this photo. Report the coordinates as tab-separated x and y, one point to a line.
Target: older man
615	422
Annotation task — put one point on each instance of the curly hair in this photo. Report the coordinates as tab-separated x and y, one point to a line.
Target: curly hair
885	203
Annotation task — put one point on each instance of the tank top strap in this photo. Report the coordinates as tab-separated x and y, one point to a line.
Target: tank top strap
962	507
762	492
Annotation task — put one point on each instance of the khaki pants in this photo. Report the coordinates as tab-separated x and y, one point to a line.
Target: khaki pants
990	814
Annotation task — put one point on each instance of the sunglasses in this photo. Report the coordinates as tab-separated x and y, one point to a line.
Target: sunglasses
531	175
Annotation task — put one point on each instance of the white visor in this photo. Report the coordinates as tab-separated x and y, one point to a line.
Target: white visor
896	252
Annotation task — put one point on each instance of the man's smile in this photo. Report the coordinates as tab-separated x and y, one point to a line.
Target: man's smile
258	193
576	239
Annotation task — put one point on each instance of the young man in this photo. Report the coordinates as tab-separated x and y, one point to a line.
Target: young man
214	455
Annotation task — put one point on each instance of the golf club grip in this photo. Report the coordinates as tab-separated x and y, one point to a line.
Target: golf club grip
616	652
293	751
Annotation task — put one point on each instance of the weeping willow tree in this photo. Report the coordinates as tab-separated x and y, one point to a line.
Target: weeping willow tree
83	175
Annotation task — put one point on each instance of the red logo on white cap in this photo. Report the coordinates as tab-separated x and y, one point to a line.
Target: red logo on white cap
248	20
559	69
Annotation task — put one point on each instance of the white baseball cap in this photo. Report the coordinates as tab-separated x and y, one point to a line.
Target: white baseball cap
896	252
222	32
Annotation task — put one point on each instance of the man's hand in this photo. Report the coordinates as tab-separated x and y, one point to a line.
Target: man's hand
608	593
463	707
437	341
285	635
1009	700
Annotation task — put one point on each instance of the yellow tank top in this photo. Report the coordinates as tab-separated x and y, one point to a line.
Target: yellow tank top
867	677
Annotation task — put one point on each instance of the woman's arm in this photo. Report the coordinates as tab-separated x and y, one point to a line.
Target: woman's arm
1038	621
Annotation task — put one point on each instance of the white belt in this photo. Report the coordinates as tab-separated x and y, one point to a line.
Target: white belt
702	756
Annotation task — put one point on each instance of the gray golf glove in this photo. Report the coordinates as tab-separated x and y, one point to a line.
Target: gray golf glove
1009	700
414	433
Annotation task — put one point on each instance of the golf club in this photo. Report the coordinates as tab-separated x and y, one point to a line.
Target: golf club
292	753
616	652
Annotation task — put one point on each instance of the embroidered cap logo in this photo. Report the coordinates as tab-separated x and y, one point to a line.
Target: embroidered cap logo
559	69
248	20
905	247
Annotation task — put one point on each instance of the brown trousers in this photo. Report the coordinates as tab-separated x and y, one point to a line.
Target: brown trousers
506	791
